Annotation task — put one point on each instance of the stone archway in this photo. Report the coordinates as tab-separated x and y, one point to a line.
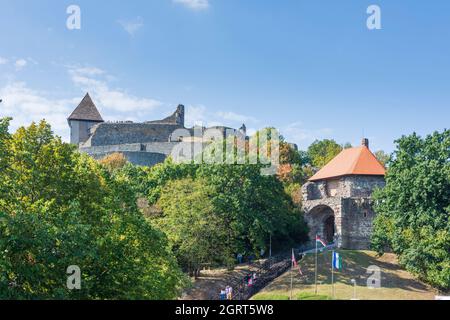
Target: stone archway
329	229
321	222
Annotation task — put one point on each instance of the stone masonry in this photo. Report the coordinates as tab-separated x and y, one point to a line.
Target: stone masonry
346	202
145	144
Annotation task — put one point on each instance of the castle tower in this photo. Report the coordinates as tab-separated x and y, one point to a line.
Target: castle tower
243	130
337	200
82	119
180	115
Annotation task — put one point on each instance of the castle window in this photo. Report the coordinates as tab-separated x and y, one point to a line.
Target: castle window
332	187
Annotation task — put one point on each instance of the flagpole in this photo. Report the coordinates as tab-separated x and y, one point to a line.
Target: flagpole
292	277
316	267
332	272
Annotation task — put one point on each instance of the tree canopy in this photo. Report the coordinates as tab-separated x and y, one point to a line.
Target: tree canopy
383	157
59	208
413	209
323	151
236	208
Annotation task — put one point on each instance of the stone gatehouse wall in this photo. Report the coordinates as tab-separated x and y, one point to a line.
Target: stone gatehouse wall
347	187
361	186
357	222
350	199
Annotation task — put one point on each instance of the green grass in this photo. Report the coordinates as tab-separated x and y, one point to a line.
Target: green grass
309	296
269	297
301	296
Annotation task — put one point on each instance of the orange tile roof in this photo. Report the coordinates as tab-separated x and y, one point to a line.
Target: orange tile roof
353	161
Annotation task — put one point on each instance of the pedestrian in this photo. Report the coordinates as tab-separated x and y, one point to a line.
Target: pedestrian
229	291
263	252
223	295
239	258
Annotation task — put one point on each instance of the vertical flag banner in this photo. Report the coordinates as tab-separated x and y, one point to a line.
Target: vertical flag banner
337	261
295	264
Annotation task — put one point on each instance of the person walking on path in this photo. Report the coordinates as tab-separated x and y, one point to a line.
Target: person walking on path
229	292
223	295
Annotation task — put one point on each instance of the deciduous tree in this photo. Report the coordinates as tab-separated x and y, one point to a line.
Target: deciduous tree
414	207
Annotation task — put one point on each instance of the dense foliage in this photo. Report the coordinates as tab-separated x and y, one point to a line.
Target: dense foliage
383	157
323	151
59	208
414	208
213	212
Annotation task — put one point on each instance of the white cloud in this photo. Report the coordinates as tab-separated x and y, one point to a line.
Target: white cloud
88	71
200	115
297	133
194	4
132	26
3	60
20	63
26	105
195	115
95	81
235	117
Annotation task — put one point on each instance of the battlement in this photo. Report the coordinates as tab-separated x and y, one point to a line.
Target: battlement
146	143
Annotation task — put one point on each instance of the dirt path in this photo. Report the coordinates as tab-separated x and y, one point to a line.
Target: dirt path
210	283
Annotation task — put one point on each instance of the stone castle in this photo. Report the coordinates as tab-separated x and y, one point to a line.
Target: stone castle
338	200
146	144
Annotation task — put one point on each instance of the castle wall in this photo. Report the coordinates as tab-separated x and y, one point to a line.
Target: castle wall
317	211
147	159
357	223
80	131
107	134
361	186
156	147
139	154
349	198
144	154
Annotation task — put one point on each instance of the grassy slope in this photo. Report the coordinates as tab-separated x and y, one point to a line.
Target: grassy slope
396	284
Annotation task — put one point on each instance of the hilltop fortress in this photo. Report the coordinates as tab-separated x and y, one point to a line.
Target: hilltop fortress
146	144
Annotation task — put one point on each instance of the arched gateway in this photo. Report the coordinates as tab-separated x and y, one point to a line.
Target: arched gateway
321	221
337	200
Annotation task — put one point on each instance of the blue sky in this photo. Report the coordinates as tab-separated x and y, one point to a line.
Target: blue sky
310	68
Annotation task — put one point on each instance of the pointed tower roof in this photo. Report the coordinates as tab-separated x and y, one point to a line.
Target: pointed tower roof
86	110
353	161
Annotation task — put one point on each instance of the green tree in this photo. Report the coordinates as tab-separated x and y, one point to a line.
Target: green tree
247	206
196	232
413	209
114	161
322	152
254	206
383	157
63	208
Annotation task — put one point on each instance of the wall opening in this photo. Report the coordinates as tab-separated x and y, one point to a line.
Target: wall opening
321	222
329	229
